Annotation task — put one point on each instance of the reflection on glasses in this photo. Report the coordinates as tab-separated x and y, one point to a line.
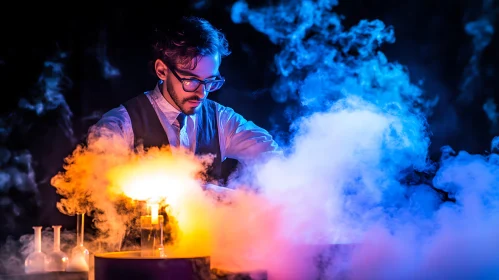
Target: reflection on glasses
192	84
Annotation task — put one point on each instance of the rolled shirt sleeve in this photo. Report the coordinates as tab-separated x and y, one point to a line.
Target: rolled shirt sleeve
114	125
243	140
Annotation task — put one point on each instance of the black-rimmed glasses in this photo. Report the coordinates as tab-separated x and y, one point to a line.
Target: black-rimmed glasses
192	84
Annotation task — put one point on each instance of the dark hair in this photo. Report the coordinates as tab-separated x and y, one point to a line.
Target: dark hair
188	39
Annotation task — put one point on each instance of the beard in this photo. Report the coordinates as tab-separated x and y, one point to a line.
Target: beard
181	102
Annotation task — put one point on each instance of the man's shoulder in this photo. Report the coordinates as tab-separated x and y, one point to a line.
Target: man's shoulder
116	114
120	113
121	110
137	98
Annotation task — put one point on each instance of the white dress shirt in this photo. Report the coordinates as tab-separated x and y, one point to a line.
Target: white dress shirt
239	138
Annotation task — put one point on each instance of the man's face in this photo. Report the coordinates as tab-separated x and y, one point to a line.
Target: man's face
189	102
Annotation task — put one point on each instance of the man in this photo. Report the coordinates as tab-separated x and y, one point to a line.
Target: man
178	112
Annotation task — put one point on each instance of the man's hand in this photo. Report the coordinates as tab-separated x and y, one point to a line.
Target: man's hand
219	193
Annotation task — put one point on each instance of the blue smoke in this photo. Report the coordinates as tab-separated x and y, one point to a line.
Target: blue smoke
47	95
19	193
200	4
357	170
481	31
107	69
321	62
490	109
18	186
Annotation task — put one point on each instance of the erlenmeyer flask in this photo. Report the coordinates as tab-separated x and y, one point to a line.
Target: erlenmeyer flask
57	260
79	255
35	262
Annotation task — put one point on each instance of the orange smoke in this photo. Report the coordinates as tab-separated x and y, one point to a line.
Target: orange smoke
156	175
103	179
243	233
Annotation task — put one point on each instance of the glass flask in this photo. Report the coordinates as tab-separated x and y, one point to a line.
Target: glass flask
80	255
151	233
57	260
35	262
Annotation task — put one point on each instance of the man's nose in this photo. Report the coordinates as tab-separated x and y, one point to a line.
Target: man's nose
202	90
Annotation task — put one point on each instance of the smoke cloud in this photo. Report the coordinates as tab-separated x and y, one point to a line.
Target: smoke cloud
88	186
360	140
18	188
239	229
107	69
48	93
481	31
19	193
490	109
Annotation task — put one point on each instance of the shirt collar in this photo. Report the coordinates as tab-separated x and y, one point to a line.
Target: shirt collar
171	113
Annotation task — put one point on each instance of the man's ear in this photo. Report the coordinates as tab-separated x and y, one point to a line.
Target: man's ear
161	69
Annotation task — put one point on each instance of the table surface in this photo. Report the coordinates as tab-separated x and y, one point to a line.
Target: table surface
48	276
215	274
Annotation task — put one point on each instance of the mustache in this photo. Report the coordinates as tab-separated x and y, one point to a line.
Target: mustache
193	98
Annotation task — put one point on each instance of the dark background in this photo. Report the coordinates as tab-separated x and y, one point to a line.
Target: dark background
431	42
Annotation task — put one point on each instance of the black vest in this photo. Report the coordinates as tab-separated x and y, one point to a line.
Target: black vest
149	132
